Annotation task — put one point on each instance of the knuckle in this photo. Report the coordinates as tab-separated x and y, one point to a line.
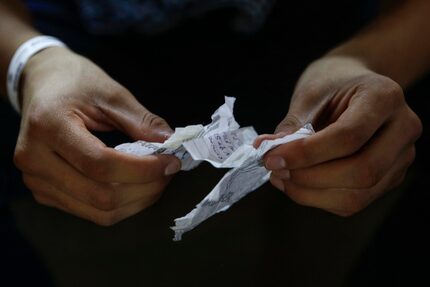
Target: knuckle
391	92
353	202
35	121
290	123
350	139
39	197
115	94
151	121
387	93
415	126
302	177
96	167
398	180
406	162
26	160
296	196
153	197
305	154
37	124
367	175
344	213
340	213
410	156
103	200
312	90
104	219
21	158
392	88
36	190
28	181
155	193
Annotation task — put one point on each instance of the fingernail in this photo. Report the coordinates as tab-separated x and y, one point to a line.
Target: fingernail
172	168
165	134
277	182
275	162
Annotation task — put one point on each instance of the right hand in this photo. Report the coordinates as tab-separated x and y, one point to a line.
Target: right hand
64	97
364	141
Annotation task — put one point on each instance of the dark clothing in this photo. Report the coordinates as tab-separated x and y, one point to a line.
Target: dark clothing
152	16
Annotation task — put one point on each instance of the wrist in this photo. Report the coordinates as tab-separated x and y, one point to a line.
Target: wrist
19	61
329	68
39	70
356	52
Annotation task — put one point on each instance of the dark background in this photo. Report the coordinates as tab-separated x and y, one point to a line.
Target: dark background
265	239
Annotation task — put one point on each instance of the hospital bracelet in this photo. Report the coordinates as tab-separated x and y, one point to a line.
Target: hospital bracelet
28	49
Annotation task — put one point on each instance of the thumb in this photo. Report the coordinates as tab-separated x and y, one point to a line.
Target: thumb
130	117
148	126
290	124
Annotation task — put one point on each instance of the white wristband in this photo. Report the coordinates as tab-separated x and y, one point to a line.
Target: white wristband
20	58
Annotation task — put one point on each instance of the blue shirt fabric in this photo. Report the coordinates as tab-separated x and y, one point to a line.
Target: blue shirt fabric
149	16
152	16
113	17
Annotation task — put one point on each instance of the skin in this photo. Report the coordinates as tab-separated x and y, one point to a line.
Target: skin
365	131
364	141
64	97
353	96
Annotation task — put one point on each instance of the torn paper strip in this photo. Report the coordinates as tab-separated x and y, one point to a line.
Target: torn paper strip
225	149
220	142
225	145
235	184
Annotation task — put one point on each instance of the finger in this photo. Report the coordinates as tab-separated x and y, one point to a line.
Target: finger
291	123
92	158
344	201
40	192
103	196
277	182
264	137
129	116
47	194
365	168
282	174
355	126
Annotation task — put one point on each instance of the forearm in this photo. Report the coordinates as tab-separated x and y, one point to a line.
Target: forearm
15	28
396	45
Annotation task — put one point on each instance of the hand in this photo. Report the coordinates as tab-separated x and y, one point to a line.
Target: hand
65	96
364	142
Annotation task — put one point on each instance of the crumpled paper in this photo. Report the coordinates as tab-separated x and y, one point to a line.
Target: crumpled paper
225	145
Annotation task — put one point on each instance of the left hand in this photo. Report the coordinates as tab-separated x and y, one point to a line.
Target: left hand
65	97
364	140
